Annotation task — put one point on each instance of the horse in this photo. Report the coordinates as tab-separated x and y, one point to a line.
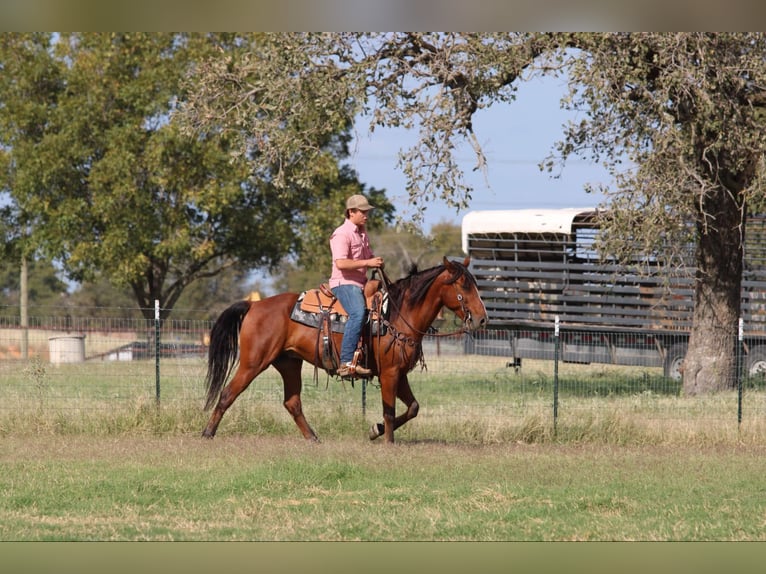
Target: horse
263	334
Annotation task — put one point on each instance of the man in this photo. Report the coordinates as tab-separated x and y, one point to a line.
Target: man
351	256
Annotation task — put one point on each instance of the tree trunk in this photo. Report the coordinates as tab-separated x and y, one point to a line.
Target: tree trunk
710	363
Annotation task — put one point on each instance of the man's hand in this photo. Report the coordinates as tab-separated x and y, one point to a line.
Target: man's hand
375	262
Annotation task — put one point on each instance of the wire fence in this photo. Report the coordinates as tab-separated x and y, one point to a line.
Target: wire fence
90	360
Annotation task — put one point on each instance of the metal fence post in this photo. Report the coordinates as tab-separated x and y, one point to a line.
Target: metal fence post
555	374
157	350
740	343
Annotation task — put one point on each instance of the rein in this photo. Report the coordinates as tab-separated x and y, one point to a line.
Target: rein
430	331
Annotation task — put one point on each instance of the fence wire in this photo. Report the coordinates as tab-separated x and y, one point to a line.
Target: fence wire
88	361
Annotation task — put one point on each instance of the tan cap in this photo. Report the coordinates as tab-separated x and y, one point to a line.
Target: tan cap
358	202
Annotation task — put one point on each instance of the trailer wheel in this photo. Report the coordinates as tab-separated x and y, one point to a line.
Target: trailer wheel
674	361
756	362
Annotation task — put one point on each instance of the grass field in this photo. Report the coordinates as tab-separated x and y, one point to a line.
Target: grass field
276	488
465	400
87	454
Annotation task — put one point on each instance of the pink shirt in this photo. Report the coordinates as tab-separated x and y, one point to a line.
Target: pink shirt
349	242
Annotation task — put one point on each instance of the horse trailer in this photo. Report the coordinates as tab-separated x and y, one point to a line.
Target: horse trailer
540	275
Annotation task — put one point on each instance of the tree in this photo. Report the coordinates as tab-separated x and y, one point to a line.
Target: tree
404	249
24	118
685	109
113	189
98	297
206	299
312	263
46	290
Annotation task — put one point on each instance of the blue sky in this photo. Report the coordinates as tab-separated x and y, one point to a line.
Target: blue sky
515	137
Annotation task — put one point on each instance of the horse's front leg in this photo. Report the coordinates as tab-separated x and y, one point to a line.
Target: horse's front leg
392	422
389	383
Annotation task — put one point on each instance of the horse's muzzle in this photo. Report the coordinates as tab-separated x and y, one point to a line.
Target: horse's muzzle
472	324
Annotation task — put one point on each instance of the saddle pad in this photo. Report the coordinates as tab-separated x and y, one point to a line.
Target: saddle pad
314	318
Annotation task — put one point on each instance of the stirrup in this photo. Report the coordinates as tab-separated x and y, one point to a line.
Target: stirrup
361	371
353	371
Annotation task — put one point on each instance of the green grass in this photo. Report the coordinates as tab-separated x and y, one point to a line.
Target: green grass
88	453
274	488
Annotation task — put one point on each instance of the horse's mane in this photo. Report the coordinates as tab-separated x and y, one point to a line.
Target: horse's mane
412	289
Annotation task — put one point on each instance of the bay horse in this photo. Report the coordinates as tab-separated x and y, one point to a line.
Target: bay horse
264	335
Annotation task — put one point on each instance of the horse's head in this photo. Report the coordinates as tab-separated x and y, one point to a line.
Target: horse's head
461	295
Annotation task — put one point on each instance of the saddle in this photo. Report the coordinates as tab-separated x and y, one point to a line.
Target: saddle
323	299
319	308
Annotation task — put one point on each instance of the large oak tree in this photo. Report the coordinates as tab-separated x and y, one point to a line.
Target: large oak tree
100	178
675	116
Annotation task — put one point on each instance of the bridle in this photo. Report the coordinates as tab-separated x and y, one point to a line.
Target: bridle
467	317
397	337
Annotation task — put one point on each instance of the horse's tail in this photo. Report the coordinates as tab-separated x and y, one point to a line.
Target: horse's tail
223	349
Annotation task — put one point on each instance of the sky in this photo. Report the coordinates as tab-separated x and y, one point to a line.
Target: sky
515	137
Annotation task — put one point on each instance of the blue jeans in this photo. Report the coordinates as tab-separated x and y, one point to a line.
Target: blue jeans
352	299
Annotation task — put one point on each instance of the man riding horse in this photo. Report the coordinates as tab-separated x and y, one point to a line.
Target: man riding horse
351	257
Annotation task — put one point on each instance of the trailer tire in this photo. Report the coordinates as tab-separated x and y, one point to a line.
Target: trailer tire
756	362
674	361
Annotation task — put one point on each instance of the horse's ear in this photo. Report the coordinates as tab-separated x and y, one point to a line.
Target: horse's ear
448	264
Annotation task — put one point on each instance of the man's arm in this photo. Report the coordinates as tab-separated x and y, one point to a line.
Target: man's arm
348	264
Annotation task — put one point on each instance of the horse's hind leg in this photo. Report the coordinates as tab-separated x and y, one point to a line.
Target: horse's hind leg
290	369
239	382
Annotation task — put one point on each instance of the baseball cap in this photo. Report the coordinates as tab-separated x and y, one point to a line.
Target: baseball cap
358	202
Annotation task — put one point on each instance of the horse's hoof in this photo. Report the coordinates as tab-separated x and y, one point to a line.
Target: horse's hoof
376	430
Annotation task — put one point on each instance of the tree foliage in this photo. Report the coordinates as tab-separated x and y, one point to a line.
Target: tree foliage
406	249
281	100
687	111
103	180
676	117
46	290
